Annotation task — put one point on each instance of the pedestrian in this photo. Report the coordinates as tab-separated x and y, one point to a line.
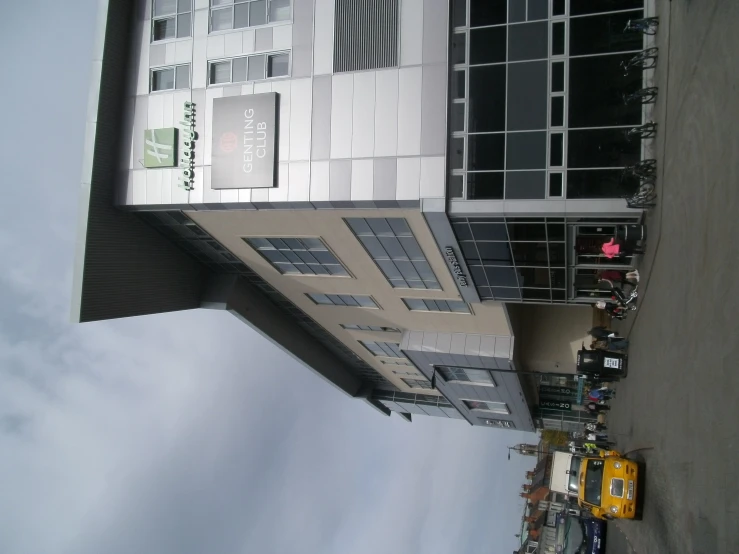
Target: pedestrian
615	249
601	394
617	312
595	408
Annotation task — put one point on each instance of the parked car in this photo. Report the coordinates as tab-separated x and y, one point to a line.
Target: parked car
585	535
595	536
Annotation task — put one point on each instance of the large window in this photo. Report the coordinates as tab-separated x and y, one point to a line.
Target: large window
249	68
351	300
174	77
355	327
396	251
417	383
237	14
466	376
298	256
385	349
171	19
487	406
428	305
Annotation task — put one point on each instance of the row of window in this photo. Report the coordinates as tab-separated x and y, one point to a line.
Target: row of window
172	19
237	70
364	301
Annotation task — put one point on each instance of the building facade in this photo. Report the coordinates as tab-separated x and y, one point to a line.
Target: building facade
406	196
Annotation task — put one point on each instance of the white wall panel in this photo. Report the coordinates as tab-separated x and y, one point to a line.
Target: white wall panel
154	186
409	179
362	179
363	115
200	24
166	188
216	46
233	45
244	195
199	52
386	113
210	195
200	4
279	194
155	119
323	42
169	56
262	86
282	37
168	114
196	195
409	111
411	32
142	30
179	195
319	181
260	195
247	88
183	51
300	111
210	94
247	39
342	91
229	196
139	186
432	177
283	89
299	190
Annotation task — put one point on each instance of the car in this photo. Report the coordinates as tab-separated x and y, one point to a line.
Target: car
595	535
585	535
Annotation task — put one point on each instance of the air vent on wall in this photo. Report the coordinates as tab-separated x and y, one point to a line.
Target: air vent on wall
365	35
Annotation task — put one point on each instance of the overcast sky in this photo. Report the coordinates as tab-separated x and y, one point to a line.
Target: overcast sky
146	435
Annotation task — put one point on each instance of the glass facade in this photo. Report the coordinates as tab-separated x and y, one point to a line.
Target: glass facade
420	404
536	108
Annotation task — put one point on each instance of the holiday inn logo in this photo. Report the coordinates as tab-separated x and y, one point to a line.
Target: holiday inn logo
160	147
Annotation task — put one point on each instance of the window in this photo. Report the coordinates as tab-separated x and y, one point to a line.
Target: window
487	406
170	78
249	68
298	256
417	383
171	19
354	300
428	305
237	14
386	349
370	328
392	246
466	376
408	373
396	362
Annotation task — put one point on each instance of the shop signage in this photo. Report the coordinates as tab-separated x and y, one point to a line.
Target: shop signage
500	423
187	158
555	404
456	268
244	141
160	147
548	389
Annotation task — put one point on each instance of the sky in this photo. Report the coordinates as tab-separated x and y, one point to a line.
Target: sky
140	436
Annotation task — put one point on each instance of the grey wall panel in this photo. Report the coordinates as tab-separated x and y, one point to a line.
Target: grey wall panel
263	39
385	178
363	115
342	95
302	49
529	41
433	110
140	120
321	118
516	11
411	32
157	55
386	113
528	96
409	111
300	119
323	53
340	180
526	150
301	61
435	31
525	185
198	96
538	9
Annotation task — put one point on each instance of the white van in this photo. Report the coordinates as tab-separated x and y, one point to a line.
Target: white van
565	470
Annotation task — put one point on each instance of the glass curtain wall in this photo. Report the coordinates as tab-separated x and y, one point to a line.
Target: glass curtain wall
536	108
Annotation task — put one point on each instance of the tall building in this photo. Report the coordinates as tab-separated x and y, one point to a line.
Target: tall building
398	194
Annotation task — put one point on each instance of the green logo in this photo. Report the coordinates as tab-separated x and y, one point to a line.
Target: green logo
160	147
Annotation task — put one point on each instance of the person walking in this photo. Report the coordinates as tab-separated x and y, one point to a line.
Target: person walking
613	341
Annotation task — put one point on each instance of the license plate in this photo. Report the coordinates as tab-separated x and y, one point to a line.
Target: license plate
630	493
613	363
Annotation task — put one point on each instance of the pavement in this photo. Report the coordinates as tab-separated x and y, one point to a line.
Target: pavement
680	402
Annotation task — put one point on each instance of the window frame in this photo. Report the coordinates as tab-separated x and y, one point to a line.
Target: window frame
175	17
396	355
232	5
276	266
358	327
376	306
266	77
174	67
439	369
485	410
468	312
418	384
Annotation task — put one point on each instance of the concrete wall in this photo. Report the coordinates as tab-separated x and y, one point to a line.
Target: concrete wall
376	135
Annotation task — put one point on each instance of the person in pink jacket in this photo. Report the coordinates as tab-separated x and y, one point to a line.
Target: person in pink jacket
612	249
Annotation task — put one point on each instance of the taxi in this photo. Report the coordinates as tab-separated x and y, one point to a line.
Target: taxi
608	486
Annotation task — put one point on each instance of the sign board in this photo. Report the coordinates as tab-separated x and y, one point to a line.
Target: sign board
244	143
555	404
548	389
457	271
503	423
160	147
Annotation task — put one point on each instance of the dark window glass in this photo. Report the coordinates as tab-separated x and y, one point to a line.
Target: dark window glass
556	253
516	11
458	48
164	29
559	295
601	148
501	276
556	146
458	84
487	12
182	77
241	16
487	45
534	276
555	184
558	7
558	278
603	33
456	153
457	117
469	251
278	65
526	150
527	231
258	12
489	231
485	186
456	186
557	118
555	231
535	294
238	68
459	13
462	230
506	293
558	77
487	98
495	253
558	39
538	9
478	275
530	253
582	7
529	41
597	86
599	183
485	151
256	68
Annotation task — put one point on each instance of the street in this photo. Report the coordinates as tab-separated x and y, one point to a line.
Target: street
679	402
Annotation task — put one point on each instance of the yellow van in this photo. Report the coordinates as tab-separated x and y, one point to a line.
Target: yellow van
608	486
